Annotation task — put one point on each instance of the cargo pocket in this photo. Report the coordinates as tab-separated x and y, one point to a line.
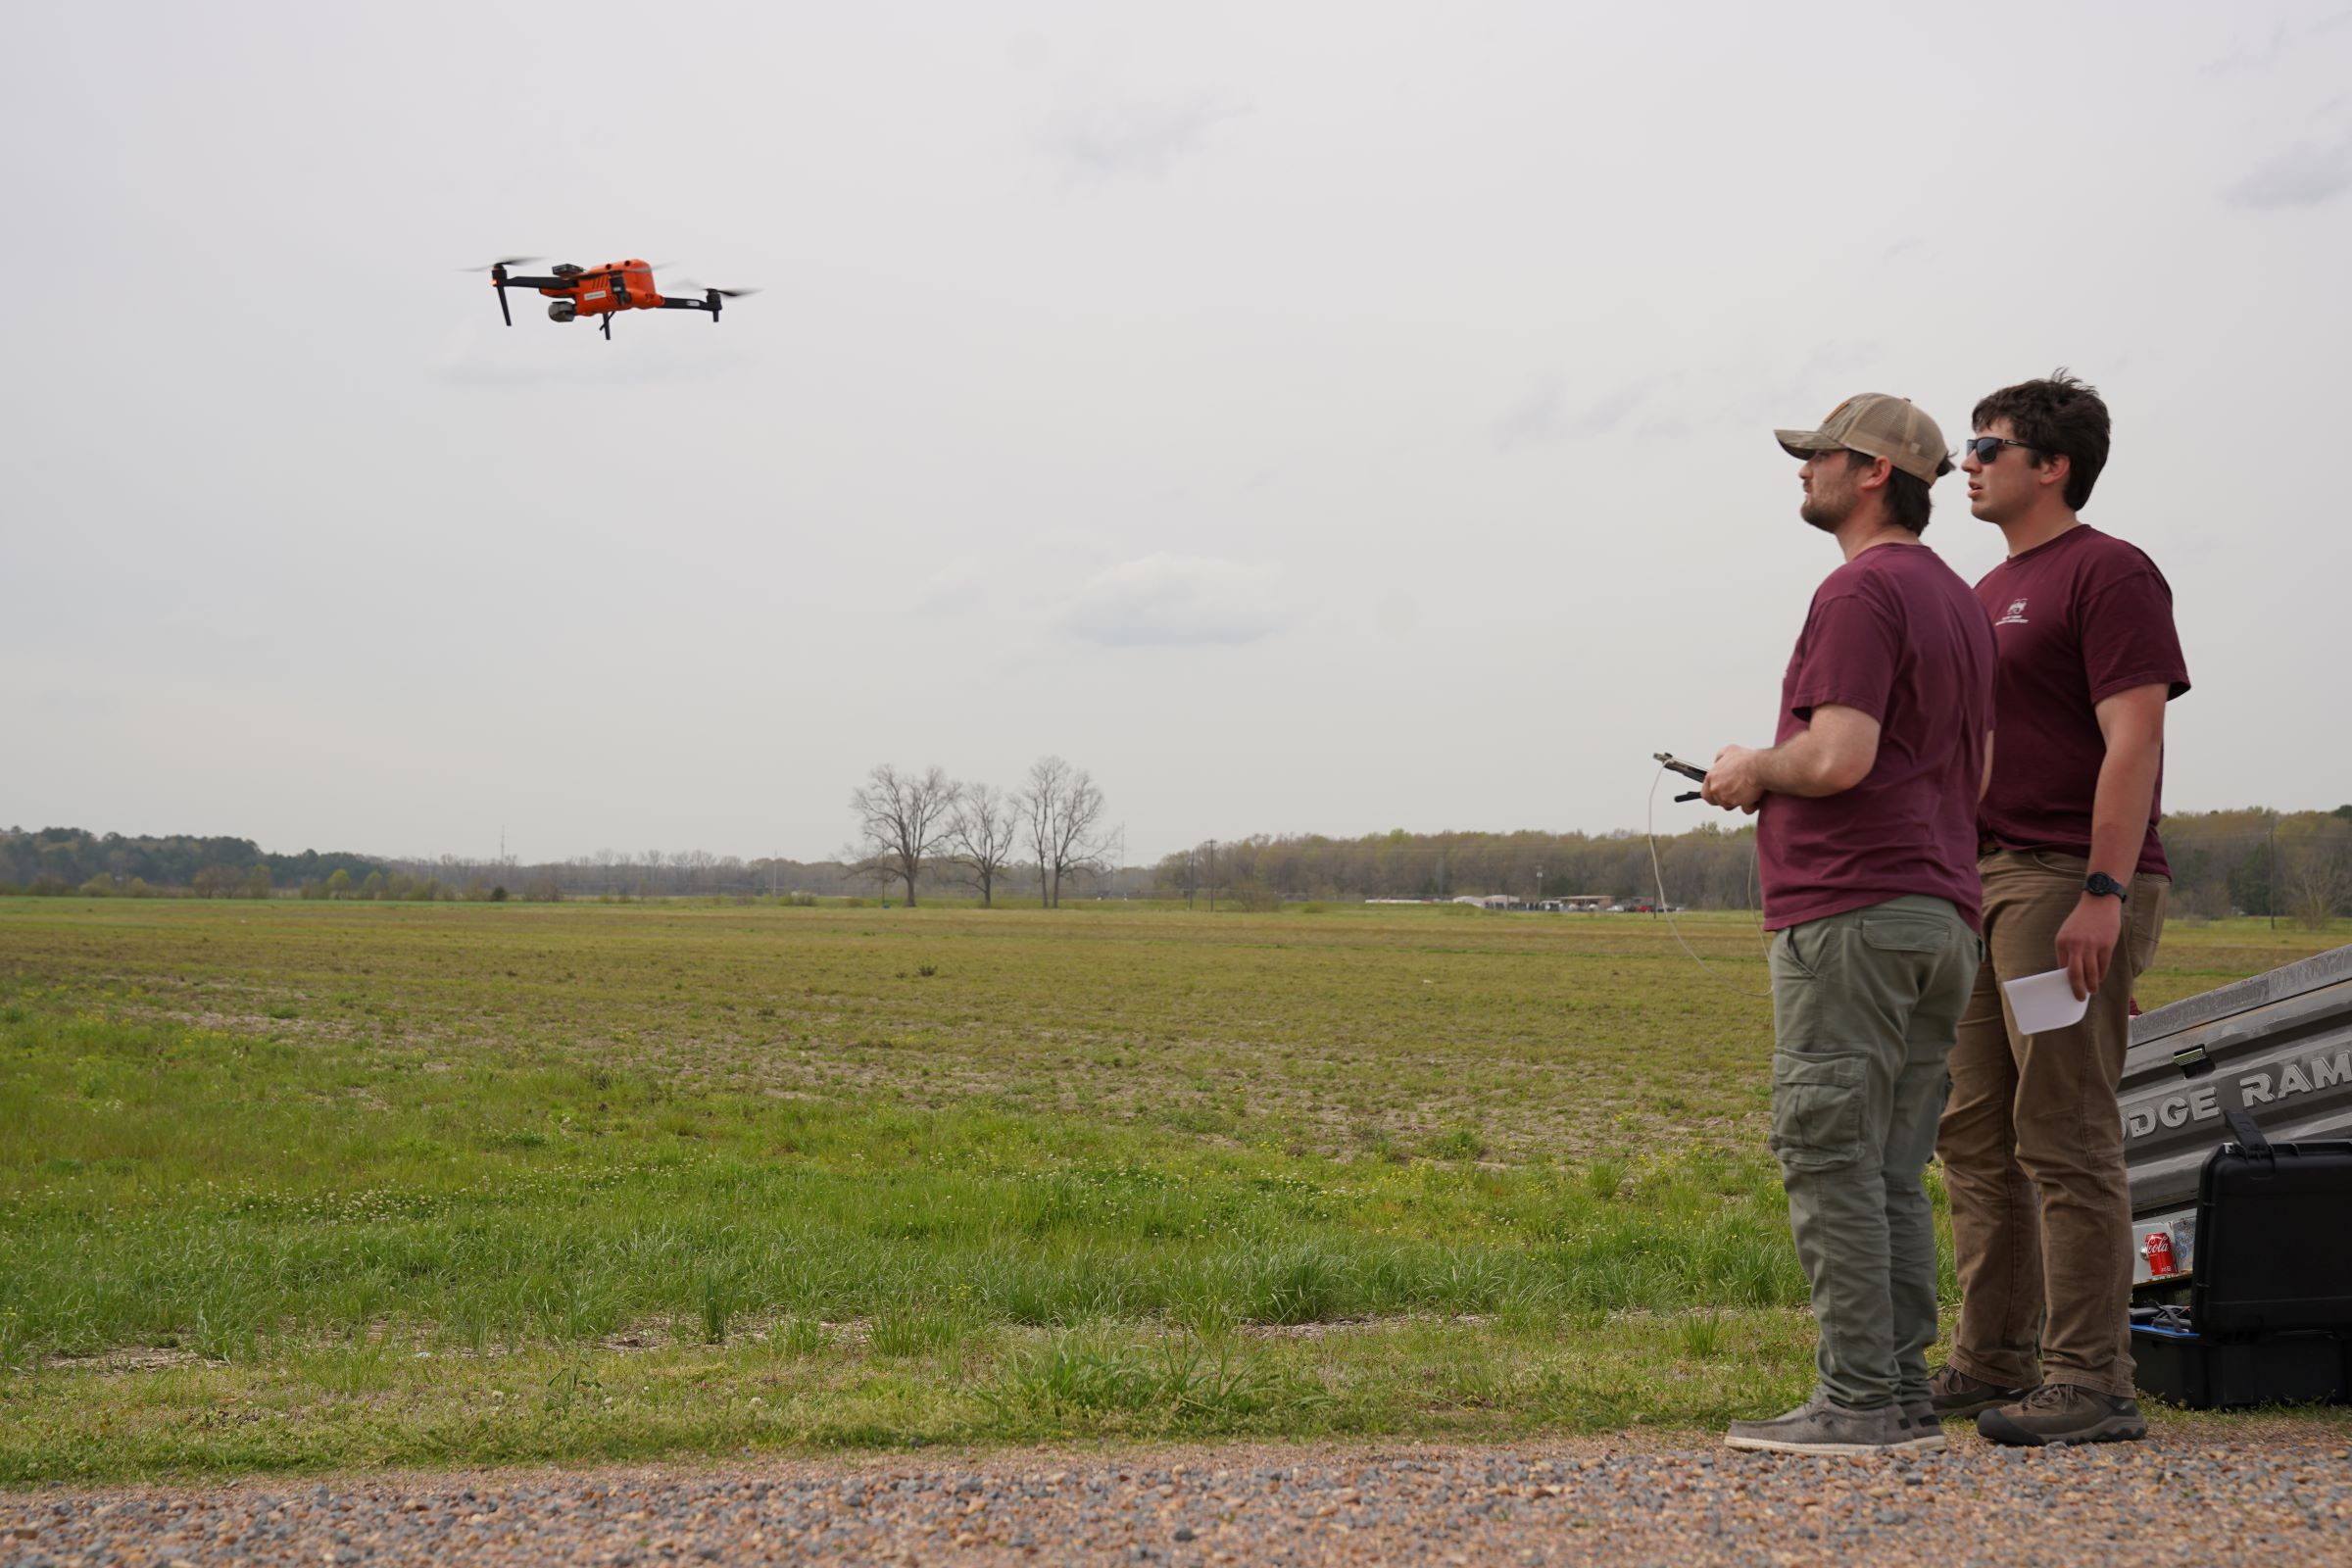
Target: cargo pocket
1905	933
1816	1109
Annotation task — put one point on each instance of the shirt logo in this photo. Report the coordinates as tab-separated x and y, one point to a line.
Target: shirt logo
2016	615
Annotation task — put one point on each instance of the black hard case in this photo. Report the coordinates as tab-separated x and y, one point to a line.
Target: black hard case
2271	1303
2204	1374
2273	1237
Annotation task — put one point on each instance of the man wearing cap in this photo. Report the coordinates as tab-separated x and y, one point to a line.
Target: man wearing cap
2075	879
1867	850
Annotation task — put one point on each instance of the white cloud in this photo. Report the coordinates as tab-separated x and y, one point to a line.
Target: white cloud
956	588
2282	42
1164	600
1539	417
2303	177
1110	138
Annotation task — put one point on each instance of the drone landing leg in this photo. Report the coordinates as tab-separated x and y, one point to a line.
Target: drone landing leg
606	322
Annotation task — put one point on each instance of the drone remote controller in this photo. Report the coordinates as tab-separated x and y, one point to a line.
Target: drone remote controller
1689	771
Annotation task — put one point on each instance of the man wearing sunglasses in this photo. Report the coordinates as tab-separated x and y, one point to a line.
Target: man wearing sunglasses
2074	878
1867	849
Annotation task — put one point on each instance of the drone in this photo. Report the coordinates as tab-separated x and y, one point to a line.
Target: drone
602	291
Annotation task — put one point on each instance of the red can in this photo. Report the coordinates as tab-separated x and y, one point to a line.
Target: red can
2159	1250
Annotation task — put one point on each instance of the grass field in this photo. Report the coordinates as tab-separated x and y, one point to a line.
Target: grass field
291	1185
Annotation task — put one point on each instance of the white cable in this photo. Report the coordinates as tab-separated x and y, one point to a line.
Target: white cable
1666	909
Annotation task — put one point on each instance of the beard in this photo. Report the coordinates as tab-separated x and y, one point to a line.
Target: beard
1827	510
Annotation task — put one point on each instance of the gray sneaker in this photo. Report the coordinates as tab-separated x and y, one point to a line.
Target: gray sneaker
1923	1428
1819	1427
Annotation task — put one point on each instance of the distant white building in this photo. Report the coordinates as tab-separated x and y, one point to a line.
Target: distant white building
1556	905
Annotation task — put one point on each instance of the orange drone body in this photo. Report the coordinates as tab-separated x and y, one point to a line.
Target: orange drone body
615	286
602	292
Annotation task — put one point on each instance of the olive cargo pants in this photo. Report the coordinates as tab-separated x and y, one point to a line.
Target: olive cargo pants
2033	1144
1864	1008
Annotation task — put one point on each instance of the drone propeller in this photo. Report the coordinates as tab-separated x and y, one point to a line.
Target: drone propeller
691	288
498	275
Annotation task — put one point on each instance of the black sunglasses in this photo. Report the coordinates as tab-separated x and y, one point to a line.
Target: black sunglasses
1988	447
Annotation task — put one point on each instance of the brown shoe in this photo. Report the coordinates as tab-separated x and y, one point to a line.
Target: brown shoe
1956	1394
2059	1413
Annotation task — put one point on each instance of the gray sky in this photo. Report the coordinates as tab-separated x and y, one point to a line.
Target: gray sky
1306	416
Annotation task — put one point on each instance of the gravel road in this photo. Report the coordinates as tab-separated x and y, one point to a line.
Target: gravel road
2250	1491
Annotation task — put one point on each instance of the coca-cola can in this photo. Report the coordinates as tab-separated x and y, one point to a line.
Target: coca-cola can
2159	1252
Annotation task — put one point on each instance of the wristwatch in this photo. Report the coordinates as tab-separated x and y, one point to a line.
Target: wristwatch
2105	887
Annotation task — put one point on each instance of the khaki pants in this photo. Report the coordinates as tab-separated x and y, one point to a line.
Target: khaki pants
1864	1007
2033	1144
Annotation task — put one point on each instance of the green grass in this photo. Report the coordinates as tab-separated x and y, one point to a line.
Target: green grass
290	1185
346	1407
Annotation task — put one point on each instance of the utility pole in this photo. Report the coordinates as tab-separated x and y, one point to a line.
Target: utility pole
1213	876
2273	900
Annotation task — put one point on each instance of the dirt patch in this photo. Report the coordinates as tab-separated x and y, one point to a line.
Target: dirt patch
131	1359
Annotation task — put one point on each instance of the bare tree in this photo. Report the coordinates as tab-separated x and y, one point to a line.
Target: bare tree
2317	875
902	820
983	835
1063	810
1040	799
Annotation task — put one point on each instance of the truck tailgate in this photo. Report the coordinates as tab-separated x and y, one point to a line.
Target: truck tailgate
2276	1046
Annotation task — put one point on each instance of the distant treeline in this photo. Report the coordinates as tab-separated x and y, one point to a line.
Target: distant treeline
1705	867
62	859
73	861
2252	861
699	873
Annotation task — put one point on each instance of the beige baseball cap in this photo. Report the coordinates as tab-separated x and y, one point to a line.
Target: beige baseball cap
1877	425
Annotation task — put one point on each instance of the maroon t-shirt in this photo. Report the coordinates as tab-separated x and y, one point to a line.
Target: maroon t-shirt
1895	634
2076	621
